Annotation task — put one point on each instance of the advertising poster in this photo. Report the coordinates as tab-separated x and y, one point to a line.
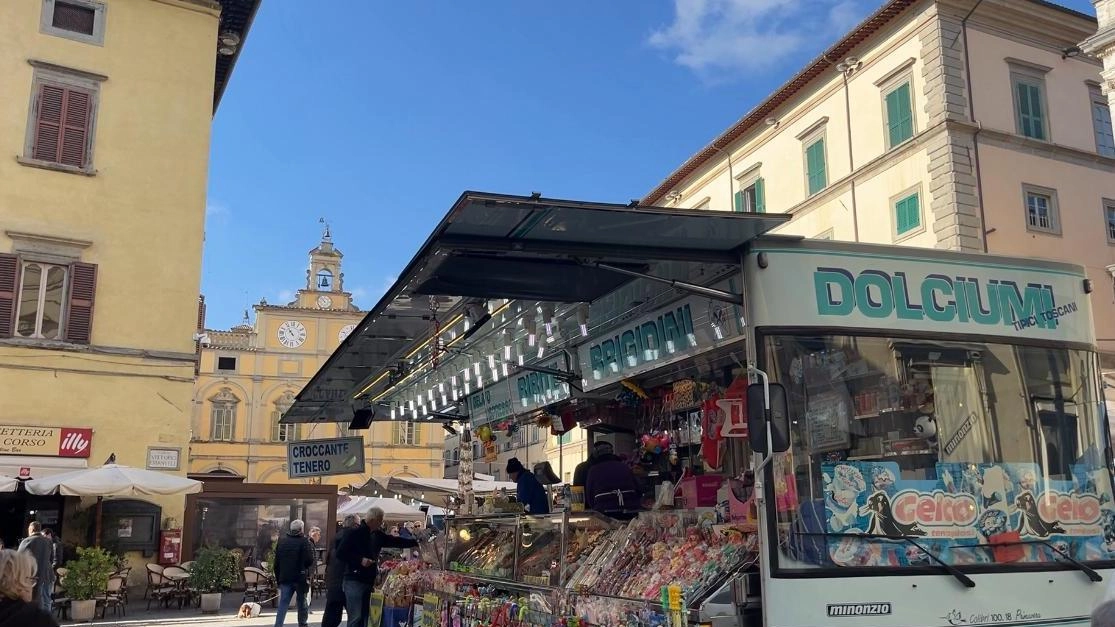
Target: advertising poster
967	514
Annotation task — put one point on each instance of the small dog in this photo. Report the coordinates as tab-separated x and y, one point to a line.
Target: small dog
249	610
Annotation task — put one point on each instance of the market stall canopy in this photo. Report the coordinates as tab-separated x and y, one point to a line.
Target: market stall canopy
393	509
8	484
428	490
492	246
114	480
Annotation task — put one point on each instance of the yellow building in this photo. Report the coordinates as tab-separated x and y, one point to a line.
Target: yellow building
250	374
104	128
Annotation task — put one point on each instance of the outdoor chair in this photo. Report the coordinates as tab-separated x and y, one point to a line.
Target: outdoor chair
154	578
257	585
114	596
159	588
317	582
179	580
60	603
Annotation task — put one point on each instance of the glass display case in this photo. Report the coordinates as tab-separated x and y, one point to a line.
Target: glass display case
542	551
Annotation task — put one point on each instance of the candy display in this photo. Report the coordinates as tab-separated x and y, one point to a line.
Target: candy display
405	581
488	551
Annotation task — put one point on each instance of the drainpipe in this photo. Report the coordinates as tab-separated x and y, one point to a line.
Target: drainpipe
731	180
979	127
848	68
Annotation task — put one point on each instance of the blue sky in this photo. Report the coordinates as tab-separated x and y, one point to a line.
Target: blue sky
377	115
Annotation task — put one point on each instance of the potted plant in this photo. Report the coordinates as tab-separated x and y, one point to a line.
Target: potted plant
87	579
213	572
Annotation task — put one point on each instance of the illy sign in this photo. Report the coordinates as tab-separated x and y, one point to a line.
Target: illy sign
46	441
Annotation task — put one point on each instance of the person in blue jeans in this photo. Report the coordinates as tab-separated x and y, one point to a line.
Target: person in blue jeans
359	551
41	549
294	557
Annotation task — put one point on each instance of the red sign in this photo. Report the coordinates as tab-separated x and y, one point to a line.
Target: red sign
75	442
45	441
24	472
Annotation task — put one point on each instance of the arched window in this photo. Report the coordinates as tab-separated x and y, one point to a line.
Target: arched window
223	415
324	279
280	432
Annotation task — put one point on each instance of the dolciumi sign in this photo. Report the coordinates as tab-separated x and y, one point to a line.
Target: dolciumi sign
322	458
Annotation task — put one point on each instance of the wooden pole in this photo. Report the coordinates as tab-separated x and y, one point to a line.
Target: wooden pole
97	531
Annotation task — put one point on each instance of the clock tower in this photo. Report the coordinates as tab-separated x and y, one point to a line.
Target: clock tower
324	279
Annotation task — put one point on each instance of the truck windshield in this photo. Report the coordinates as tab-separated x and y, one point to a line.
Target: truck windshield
984	453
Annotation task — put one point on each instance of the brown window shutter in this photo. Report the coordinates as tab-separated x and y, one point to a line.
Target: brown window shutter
9	291
75	128
48	123
79	309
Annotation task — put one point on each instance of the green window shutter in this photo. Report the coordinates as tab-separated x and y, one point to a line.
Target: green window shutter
815	164
907	214
760	197
1030	115
737	201
900	115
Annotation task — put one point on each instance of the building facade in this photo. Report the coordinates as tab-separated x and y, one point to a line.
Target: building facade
530	444
249	375
968	125
105	125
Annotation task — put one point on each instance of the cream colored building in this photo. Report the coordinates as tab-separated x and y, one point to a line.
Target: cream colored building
959	124
249	375
530	444
104	134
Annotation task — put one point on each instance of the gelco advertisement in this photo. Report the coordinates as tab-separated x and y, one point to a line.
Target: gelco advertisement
966	514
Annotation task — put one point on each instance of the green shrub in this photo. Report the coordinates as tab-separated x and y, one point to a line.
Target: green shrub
214	570
87	576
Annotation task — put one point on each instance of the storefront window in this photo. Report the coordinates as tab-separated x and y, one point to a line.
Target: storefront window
911	453
250	526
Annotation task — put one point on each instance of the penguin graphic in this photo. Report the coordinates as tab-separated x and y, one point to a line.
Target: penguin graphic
1031	523
882	519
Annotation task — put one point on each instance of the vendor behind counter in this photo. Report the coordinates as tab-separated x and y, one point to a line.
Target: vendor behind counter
610	486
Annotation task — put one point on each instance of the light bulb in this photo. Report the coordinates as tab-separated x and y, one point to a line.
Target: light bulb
476	368
492	361
532	331
582	319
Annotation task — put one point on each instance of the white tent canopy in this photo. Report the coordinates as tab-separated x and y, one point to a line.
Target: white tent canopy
393	509
113	480
430	490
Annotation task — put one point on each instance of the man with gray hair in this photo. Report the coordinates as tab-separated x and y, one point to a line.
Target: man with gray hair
294	558
360	551
1104	615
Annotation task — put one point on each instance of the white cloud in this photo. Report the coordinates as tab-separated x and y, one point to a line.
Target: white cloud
213	208
285	297
720	39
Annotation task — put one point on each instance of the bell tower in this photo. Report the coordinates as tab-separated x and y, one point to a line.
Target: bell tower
324	279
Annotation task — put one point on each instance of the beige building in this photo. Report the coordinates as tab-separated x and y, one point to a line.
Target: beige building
530	444
249	375
104	130
961	124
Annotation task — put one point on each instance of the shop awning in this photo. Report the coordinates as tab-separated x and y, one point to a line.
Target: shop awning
492	246
34	467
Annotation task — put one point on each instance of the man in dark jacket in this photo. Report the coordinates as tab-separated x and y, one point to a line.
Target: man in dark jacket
528	490
334	577
359	551
611	486
294	557
41	549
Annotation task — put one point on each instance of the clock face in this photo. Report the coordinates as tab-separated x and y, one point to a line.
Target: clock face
345	331
292	334
324	301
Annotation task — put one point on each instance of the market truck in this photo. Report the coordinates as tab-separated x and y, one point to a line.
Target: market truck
941	455
924	442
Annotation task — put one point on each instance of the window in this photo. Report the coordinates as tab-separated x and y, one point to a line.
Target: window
1101	122
1029	103
223	415
535	434
1109	220
878	450
899	112
564	438
63	119
815	166
80	20
1041	209
281	432
46	301
751	199
404	433
907	214
226	364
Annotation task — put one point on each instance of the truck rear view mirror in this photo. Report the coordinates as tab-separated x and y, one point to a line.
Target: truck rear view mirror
757	417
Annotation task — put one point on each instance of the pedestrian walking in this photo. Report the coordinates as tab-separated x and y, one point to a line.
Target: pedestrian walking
334	578
294	559
17	585
360	553
41	550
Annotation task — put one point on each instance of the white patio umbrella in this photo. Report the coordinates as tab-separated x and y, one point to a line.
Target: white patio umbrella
112	480
8	484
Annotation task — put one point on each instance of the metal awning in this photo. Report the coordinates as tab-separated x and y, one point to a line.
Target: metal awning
493	246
